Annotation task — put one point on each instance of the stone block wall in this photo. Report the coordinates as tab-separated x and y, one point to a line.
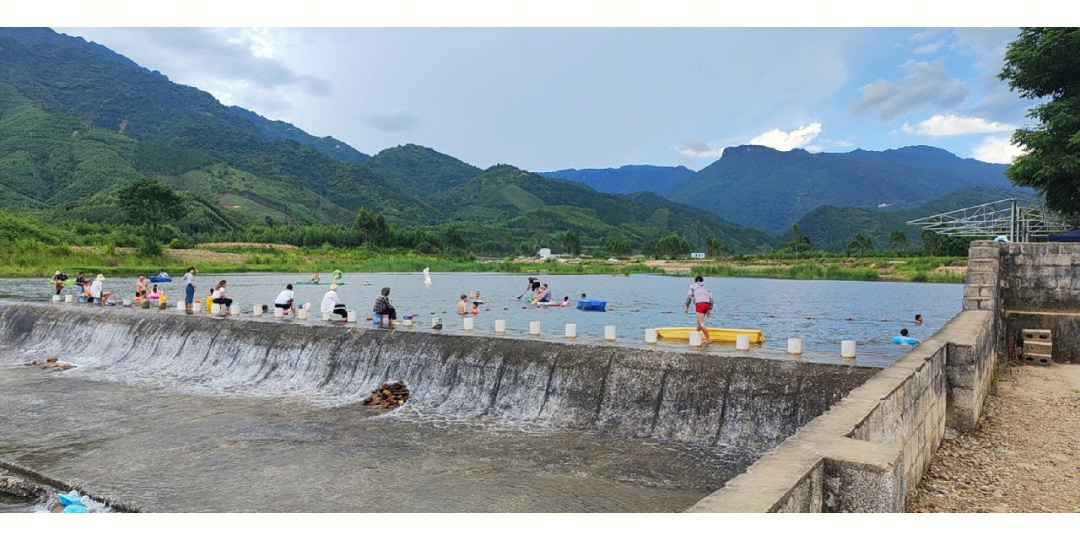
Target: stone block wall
872	447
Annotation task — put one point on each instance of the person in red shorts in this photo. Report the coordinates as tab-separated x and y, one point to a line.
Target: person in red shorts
701	298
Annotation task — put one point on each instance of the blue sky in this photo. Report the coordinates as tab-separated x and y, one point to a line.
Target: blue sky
545	99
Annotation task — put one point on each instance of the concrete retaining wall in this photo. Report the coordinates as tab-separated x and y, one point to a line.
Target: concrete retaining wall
1040	289
870	449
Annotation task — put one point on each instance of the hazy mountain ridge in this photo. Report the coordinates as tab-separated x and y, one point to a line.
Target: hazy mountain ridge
625	179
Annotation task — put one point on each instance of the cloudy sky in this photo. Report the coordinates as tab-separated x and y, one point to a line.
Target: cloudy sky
545	99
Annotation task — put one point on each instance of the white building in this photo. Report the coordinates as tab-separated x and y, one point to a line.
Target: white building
697	255
544	253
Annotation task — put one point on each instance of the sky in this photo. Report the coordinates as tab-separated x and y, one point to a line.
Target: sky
548	99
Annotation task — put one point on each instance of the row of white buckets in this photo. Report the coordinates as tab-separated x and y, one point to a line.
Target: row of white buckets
742	341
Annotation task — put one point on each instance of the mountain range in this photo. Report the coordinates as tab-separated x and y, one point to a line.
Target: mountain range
77	121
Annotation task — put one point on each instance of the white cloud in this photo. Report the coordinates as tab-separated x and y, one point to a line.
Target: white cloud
699	149
929	47
927	83
945	125
785	141
997	150
926	35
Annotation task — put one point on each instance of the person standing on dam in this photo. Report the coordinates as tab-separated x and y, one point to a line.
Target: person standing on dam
701	298
189	288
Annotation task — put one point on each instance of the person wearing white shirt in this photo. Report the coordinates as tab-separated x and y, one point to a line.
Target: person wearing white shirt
332	304
97	290
285	300
221	297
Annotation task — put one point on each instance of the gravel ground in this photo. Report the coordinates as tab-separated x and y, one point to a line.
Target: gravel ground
1024	455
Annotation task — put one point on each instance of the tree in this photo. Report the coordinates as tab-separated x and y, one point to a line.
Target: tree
897	240
618	246
1044	63
935	244
150	204
453	238
373	227
860	243
571	243
672	246
798	243
714	248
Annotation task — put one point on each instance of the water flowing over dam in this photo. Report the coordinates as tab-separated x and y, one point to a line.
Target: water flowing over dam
741	407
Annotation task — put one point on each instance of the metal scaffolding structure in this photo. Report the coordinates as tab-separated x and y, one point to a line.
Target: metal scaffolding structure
1018	220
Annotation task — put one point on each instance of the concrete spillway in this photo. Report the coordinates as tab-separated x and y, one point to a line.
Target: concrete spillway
749	405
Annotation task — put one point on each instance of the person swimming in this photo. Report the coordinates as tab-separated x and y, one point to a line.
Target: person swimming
918	318
315	278
565	301
905	339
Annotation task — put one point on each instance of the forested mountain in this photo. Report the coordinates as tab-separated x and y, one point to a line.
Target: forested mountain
763	188
77	122
420	169
625	179
832	227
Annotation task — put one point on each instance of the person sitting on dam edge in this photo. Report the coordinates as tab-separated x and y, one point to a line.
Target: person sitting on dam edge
332	304
221	297
383	307
286	301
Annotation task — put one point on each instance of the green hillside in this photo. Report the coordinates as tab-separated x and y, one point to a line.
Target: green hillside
532	206
63	168
420	169
98	87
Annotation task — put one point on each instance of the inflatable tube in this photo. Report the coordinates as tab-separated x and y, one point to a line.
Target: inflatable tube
157	279
327	283
903	340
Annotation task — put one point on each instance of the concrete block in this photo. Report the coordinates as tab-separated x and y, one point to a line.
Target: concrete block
863	477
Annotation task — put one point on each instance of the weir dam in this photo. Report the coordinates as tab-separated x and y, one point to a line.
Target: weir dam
169	411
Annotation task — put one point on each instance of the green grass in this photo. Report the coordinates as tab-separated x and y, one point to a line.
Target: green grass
797	271
41	254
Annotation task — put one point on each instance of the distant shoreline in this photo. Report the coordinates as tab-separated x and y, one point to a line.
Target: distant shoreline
256	258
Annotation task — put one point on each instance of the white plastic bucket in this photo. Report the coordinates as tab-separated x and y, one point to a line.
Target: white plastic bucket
609	333
571	330
650	336
794	346
256	310
352	316
181	306
534	328
742	342
407	322
467	323
847	349
302	314
278	312
695	339
215	308
57	298
69	298
500	326
127	302
234	309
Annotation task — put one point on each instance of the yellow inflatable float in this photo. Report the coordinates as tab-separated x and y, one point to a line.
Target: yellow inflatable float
718	335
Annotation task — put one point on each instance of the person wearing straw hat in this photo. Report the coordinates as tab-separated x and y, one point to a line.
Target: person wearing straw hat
97	292
332	304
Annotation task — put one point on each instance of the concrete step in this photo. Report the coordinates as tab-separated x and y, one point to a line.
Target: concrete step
1039	334
1036	359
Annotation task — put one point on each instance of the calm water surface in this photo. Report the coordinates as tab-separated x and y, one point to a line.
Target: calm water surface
815	311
